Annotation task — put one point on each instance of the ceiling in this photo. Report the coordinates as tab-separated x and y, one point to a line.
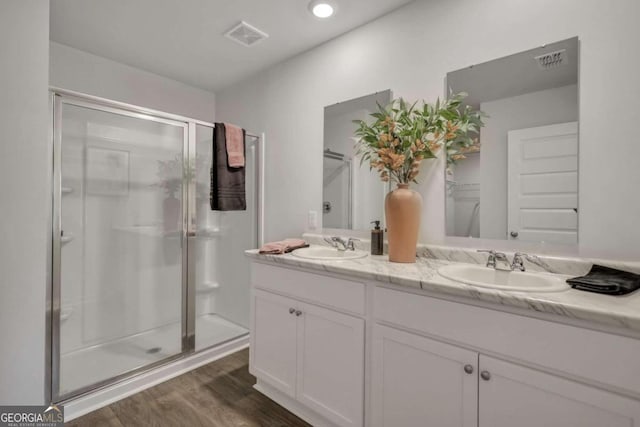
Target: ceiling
183	39
515	74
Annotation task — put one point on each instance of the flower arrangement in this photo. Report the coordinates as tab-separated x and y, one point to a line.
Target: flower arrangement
173	174
403	135
169	171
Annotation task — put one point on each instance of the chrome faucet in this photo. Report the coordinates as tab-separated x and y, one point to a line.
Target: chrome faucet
518	261
499	261
341	243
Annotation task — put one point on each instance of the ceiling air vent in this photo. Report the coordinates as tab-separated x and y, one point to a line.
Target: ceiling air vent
552	59
245	34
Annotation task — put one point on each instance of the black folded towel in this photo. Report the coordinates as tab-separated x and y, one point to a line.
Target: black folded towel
227	184
605	280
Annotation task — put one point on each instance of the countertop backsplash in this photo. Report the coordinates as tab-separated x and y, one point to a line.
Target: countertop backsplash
533	262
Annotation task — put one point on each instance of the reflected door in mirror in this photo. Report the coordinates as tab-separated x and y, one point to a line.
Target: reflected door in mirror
543	184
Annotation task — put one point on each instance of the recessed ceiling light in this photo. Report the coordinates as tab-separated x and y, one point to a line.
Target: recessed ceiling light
322	8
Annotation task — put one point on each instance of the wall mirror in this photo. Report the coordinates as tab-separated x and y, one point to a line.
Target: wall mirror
521	181
352	196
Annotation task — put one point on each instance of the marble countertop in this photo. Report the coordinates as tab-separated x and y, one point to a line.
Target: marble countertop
616	311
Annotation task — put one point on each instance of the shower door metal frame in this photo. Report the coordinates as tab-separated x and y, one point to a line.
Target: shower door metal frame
52	318
60	98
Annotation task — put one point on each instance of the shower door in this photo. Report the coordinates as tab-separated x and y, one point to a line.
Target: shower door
337	191
119	244
220	269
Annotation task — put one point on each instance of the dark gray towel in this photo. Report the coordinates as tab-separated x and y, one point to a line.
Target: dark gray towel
605	280
227	184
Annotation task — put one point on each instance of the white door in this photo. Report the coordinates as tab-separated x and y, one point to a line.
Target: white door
421	382
331	364
273	341
512	395
543	184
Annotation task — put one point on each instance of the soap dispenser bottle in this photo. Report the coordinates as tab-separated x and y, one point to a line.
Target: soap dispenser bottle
377	239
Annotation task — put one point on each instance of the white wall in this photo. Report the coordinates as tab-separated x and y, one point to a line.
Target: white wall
25	198
546	107
410	51
73	69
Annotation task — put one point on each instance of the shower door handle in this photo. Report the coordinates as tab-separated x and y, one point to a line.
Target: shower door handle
65	238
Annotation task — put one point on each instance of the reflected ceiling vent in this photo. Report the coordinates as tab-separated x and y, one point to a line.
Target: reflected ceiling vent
245	34
552	59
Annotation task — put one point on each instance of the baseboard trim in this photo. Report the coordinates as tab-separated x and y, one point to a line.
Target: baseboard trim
80	406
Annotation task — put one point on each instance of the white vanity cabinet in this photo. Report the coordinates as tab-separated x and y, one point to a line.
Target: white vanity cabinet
513	395
274	335
431	361
312	354
417	381
330	372
422	381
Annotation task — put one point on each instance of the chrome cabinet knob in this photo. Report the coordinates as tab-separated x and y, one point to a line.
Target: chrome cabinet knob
514	234
292	310
298	313
468	369
485	375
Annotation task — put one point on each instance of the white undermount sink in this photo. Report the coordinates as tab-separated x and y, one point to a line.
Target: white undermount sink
327	254
485	277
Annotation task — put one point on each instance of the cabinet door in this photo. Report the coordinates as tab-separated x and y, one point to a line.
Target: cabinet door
331	364
273	341
421	382
512	395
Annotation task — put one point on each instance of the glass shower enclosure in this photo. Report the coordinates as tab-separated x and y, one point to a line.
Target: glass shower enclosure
337	190
143	272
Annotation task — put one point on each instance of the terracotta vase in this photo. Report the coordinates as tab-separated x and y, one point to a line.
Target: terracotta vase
402	208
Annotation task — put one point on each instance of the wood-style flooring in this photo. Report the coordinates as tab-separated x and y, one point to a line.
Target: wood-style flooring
217	394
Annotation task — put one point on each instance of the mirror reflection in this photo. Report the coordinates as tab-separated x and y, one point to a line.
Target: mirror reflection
353	196
520	182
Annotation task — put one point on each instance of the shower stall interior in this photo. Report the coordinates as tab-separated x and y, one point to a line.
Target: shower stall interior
143	272
337	188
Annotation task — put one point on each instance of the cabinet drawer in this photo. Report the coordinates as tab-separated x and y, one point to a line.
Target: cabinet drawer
599	357
342	294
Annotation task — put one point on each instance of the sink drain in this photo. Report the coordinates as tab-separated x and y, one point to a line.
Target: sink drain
154	350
